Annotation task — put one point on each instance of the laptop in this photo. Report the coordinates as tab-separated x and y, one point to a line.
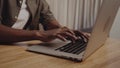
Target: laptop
81	50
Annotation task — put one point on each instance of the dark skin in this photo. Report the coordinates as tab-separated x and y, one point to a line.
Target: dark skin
53	31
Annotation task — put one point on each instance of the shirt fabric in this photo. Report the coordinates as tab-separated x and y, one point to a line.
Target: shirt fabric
39	13
22	17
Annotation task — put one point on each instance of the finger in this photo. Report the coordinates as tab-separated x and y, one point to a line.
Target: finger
82	35
68	30
61	37
79	34
71	32
69	36
87	34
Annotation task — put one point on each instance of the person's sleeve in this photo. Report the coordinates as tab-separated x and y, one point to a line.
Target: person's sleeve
46	14
1	7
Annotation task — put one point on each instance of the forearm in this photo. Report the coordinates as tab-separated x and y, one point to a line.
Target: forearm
51	25
14	35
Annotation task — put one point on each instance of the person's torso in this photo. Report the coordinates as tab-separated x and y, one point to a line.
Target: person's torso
12	8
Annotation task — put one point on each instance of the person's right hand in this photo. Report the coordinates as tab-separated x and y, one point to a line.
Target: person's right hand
60	33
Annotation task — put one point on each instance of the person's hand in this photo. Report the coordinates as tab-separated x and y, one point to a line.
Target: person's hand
61	33
82	35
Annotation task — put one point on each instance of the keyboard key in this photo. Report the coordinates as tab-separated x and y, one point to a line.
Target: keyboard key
74	48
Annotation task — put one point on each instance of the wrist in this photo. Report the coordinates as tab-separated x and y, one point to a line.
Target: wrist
37	35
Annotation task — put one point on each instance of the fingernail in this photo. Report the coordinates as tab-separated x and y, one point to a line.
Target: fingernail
65	40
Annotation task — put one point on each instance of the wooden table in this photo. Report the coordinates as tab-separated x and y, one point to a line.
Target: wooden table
14	56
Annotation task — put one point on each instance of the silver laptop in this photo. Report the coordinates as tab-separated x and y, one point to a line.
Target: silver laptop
81	49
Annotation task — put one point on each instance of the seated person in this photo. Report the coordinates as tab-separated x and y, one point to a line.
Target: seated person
20	19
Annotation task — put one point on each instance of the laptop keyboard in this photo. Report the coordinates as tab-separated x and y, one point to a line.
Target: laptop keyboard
74	48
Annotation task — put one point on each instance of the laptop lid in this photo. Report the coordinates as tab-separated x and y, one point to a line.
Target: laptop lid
104	21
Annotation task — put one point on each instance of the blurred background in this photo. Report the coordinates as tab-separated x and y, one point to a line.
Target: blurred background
81	14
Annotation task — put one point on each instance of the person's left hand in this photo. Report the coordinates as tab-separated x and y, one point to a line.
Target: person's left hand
62	33
82	35
78	34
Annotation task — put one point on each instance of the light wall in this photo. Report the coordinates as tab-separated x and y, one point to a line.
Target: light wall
115	31
72	13
75	14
